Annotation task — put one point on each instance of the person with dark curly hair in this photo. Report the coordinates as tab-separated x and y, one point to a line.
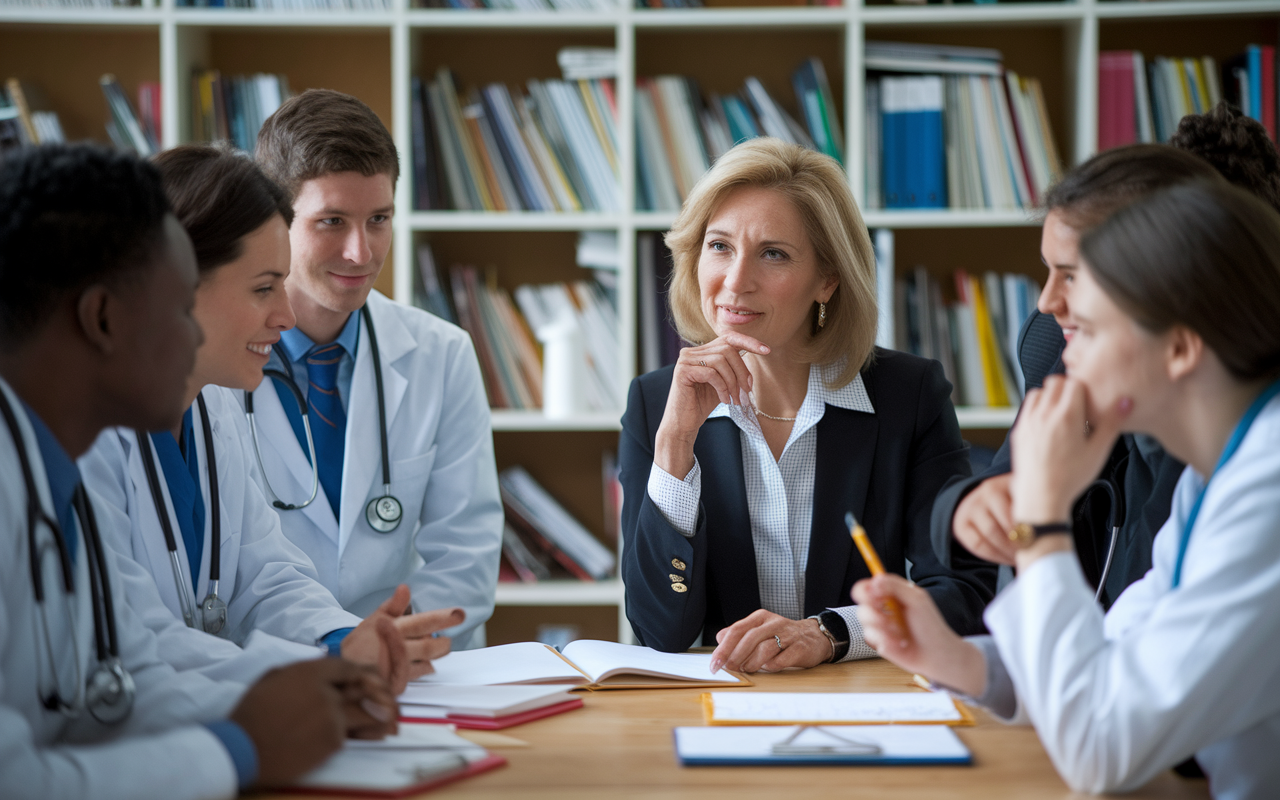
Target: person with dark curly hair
97	280
1113	537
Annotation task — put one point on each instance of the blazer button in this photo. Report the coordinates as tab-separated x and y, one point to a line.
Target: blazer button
676	578
677	563
679	588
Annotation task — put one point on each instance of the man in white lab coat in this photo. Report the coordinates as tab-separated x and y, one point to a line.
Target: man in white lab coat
339	163
96	281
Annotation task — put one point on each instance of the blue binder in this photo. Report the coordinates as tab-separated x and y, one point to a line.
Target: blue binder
914	171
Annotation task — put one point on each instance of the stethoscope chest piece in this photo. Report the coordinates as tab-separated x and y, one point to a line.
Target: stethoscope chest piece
213	611
109	692
384	513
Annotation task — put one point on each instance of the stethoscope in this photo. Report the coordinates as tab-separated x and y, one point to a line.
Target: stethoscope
1114	519
109	691
382	513
213	609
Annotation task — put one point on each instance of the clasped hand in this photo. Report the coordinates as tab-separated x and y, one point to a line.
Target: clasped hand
748	645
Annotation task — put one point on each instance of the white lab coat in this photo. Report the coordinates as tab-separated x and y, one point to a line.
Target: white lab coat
160	750
268	584
442	470
1168	673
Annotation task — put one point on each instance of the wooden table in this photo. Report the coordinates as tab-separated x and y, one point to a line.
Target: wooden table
619	745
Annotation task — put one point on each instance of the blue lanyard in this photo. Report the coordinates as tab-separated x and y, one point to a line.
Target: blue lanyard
1233	444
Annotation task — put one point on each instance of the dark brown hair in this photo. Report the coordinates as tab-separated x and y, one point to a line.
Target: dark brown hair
1205	255
220	196
1113	179
320	132
1236	146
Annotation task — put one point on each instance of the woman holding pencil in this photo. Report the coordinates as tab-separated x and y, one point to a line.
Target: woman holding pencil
1174	306
740	462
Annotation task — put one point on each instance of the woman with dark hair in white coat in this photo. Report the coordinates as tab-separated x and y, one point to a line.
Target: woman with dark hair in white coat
1174	308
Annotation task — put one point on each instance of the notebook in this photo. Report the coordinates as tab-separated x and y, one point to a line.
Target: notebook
484	707
818	746
831	708
585	663
418	759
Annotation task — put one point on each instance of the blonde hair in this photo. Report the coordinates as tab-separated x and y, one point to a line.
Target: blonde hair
817	186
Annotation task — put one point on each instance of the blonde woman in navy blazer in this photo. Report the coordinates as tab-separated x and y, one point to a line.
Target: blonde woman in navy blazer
740	462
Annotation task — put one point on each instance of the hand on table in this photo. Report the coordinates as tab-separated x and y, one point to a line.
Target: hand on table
400	645
748	644
984	518
298	715
930	647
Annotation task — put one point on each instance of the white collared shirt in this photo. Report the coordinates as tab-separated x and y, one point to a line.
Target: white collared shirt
779	497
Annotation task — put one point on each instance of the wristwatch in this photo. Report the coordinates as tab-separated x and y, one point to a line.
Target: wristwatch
838	647
1024	533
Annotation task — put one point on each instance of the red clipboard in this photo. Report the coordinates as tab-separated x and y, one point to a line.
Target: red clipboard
492	761
498	723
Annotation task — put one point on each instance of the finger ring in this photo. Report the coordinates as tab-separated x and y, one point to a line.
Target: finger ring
702	363
778	639
1087	428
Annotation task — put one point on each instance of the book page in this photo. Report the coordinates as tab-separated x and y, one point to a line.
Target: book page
912	744
523	662
601	660
833	707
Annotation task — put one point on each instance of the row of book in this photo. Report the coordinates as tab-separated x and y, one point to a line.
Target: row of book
26	118
523	5
1143	101
22	118
962	133
972	331
542	541
497	148
505	327
680	132
292	5
234	108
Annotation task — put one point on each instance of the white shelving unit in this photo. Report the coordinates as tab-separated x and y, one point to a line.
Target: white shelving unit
184	43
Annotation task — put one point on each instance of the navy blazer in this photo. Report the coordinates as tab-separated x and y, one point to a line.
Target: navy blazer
1141	471
885	467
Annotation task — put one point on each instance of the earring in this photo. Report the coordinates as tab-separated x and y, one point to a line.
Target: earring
822	314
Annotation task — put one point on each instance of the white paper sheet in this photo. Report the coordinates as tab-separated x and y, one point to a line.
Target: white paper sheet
417	754
601	659
833	707
523	662
482	701
916	743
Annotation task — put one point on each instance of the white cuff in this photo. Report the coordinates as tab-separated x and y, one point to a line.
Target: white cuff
858	647
677	499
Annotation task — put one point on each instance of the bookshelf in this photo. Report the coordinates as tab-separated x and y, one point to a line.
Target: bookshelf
373	54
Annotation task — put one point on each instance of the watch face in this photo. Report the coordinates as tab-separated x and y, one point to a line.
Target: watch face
1022	534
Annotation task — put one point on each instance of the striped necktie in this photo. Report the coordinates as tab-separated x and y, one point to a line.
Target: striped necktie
328	418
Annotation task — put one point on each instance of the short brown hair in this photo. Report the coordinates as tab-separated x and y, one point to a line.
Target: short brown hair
818	188
1205	255
320	132
220	196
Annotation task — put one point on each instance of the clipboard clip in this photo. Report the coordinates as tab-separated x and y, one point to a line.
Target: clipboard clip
839	746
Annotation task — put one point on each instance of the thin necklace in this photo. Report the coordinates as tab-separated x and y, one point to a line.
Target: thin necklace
770	416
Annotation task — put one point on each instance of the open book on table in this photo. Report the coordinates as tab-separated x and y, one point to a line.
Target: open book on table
585	663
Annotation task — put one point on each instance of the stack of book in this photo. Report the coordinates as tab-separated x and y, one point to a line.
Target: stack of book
973	332
541	540
1143	101
504	331
522	5
24	118
679	132
234	108
962	133
293	5
497	148
126	128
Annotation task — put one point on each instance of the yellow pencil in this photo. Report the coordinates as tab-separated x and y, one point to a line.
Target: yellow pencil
873	563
